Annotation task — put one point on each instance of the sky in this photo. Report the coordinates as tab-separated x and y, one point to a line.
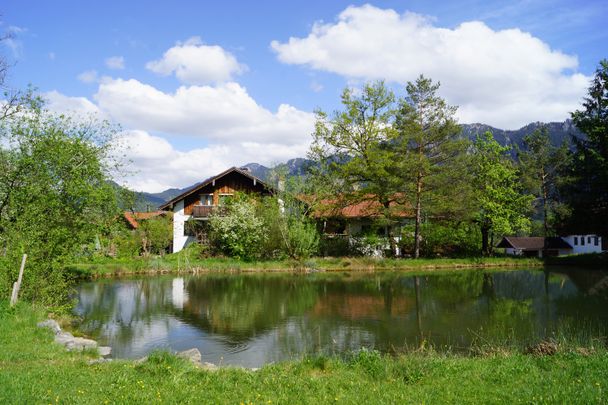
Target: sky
200	86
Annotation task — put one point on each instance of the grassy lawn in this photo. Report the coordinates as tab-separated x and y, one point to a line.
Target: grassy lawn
33	370
179	262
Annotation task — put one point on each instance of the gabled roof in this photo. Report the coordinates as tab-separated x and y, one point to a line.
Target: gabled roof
210	180
533	243
369	208
132	218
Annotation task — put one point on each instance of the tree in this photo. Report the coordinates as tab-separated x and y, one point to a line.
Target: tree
542	165
54	197
588	194
352	153
500	205
426	146
156	234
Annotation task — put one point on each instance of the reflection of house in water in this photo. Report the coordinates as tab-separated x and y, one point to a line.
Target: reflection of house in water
355	307
590	282
178	294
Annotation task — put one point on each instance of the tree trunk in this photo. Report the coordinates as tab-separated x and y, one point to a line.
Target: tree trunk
485	240
545	194
418	217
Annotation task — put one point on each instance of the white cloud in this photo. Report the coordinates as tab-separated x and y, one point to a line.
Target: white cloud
78	106
196	63
505	78
156	165
88	76
115	62
224	113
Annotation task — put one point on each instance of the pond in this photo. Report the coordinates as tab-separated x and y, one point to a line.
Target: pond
253	319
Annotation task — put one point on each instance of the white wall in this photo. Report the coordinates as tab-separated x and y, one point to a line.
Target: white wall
588	247
179	219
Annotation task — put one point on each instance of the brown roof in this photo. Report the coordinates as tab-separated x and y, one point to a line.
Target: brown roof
194	189
133	217
533	243
363	209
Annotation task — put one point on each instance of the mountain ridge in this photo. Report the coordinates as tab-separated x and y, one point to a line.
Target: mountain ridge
558	132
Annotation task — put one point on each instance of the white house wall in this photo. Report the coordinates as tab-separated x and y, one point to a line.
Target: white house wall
180	241
588	247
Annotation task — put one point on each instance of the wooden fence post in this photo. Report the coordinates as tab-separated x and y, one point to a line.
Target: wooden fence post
17	284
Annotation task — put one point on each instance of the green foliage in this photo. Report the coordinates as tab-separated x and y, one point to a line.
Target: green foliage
54	198
240	232
156	234
427	149
500	206
588	194
542	173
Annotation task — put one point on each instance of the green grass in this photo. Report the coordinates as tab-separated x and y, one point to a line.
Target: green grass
178	262
33	370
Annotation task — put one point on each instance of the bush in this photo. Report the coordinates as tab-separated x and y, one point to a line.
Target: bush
239	233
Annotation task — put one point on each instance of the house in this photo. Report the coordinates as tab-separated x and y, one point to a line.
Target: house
356	220
206	198
550	246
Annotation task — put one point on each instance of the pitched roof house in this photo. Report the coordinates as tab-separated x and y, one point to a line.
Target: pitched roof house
207	197
551	246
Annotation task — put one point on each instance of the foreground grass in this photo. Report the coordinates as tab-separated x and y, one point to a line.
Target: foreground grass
180	262
33	370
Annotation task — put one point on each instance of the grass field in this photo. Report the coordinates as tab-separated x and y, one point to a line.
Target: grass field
34	370
175	263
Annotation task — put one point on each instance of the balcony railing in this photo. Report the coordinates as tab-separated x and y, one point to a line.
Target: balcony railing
205	211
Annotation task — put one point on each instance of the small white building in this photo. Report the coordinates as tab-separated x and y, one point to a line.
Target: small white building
551	246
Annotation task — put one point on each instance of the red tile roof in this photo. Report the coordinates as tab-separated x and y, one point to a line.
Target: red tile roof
362	209
133	217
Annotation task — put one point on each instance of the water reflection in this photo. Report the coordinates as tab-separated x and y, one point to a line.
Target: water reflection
254	319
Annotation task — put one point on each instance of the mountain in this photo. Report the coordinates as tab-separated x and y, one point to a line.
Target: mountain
558	132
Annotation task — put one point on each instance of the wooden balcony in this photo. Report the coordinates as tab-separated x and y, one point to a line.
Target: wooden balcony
205	211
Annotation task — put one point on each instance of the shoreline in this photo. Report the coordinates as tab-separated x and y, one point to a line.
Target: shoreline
109	268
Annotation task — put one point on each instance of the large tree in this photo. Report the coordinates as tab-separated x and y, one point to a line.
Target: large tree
542	165
352	152
501	207
588	194
427	146
54	198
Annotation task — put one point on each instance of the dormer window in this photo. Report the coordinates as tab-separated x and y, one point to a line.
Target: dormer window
207	199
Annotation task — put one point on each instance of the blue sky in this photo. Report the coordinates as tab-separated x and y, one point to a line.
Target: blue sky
200	86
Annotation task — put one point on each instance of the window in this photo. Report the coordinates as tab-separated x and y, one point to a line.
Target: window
207	199
582	241
596	241
575	240
224	198
588	239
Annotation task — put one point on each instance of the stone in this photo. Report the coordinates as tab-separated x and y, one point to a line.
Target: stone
80	344
209	366
99	361
64	338
50	324
194	355
104	351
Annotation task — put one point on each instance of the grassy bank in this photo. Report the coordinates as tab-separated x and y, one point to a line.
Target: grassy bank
175	263
34	370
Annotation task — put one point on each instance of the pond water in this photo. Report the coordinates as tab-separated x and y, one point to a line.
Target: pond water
254	319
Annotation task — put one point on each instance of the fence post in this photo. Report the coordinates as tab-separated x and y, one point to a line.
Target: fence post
17	284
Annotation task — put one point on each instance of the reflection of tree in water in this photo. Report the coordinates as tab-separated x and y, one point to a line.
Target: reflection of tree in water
241	307
332	313
123	310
